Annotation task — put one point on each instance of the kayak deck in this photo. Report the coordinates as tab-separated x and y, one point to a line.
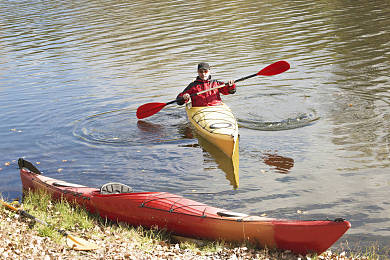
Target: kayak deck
216	124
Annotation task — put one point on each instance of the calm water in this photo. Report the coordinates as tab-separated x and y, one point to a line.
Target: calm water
314	141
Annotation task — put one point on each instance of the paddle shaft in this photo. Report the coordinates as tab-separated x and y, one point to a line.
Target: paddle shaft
220	86
247	77
23	213
62	232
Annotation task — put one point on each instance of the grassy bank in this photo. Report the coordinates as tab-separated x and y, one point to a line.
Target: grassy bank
22	238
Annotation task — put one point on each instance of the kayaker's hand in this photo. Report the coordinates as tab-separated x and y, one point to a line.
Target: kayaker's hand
186	97
232	87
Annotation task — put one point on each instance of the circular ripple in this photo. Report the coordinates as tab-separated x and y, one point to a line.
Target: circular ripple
296	121
121	128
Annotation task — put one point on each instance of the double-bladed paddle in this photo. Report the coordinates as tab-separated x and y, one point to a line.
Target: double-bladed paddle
74	242
150	109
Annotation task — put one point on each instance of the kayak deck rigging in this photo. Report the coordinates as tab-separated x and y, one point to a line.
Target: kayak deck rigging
220	120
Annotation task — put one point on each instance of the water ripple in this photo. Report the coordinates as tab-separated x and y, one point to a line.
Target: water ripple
73	72
120	128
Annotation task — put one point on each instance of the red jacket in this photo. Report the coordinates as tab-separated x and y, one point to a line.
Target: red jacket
210	98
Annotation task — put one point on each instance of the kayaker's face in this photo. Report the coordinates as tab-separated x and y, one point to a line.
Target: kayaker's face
204	74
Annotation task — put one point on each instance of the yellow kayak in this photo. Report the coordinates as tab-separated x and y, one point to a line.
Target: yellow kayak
217	125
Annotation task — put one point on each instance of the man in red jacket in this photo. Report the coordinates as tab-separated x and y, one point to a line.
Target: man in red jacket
204	82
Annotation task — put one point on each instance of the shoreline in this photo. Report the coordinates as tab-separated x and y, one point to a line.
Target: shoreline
22	238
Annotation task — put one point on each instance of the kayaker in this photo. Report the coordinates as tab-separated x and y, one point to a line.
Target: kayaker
203	82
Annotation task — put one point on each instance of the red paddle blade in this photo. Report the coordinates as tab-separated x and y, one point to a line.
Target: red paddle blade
149	109
275	68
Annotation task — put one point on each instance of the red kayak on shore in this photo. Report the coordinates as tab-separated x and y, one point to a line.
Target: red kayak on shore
188	218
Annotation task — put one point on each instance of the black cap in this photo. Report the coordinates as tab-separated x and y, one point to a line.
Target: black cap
203	65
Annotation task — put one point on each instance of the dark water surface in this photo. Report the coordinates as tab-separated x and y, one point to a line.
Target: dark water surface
314	141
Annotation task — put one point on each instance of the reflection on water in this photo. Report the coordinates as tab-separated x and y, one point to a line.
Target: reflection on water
121	128
148	127
282	164
185	131
224	162
73	73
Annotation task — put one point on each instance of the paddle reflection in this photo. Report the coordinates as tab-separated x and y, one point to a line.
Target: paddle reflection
280	163
185	131
149	127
